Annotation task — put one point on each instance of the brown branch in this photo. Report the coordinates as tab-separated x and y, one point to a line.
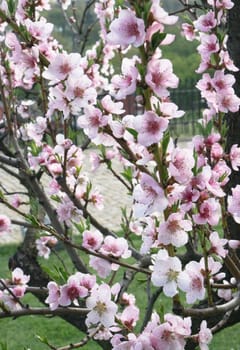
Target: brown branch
214	310
60	311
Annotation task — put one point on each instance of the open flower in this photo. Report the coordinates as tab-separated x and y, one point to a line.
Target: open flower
167	273
126	30
150	128
103	310
174	230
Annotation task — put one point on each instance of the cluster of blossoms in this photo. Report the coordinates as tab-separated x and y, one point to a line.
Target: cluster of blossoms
108	246
13	290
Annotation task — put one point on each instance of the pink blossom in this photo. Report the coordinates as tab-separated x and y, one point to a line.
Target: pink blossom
221	4
213	268
234	204
228	102
125	84
148	196
65	210
173	230
227	61
234	243
44	245
170	110
116	247
126	30
160	76
101	266
18	277
92	239
79	91
92	120
167	273
61	66
71	291
112	107
16	201
171	334
53	295
181	164
195	289
5	223
96	199
204	336
209	212
103	310
235	157
129	317
206	22
225	294
40	30
188	31
217	244
209	45
150	128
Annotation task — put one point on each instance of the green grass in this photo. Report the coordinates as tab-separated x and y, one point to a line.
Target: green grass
20	334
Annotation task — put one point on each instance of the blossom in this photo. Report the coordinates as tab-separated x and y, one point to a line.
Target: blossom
44	245
18	277
101	266
116	247
234	156
125	84
160	76
206	22
173	230
149	197
217	244
181	164
72	290
61	66
167	273
53	295
209	212
5	223
103	310
209	45
150	128
171	334
160	15
195	287
204	336
188	31
234	204
92	239
129	316
126	30
92	120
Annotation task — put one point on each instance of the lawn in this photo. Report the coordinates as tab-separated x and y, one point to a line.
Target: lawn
20	334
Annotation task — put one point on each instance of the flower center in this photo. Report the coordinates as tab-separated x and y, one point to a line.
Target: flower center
100	307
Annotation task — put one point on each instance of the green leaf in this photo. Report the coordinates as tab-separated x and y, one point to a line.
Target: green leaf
53	275
157	38
4	346
33	220
12	6
165	142
146	13
127	174
132	132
